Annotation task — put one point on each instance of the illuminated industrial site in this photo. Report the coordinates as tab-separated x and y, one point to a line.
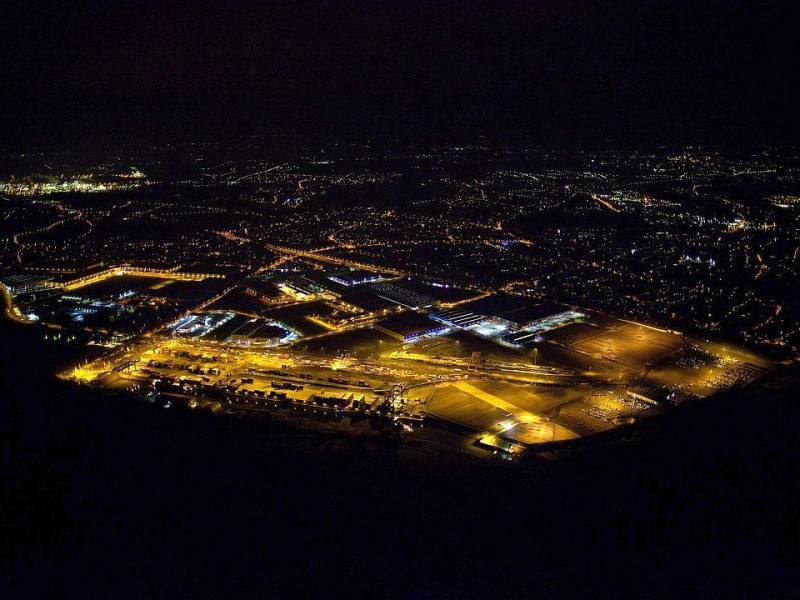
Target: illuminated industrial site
370	349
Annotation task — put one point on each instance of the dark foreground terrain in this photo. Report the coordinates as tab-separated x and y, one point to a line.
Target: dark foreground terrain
109	498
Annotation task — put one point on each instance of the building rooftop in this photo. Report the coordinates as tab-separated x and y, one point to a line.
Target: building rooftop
367	300
407	323
496	305
517	309
526	314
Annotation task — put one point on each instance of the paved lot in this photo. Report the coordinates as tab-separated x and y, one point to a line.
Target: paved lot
503	393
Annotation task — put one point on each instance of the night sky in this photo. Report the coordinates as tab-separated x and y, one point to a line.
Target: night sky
549	70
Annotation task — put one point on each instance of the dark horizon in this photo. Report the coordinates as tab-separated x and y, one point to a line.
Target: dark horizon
655	72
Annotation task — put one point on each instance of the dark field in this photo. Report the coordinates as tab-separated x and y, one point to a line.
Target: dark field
295	316
572	333
188	290
240	301
360	343
119	284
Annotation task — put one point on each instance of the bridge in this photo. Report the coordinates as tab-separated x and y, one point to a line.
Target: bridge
125	366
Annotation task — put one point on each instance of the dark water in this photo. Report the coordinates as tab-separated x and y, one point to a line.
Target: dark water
108	498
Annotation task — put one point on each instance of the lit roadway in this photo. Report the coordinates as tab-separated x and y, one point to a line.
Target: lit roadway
603	202
256	174
9	309
274	265
330	259
74	215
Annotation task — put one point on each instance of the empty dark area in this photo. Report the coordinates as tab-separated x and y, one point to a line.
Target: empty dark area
659	69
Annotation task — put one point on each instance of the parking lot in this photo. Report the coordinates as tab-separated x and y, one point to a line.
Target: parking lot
590	380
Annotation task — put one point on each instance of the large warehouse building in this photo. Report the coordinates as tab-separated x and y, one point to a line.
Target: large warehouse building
513	320
409	326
